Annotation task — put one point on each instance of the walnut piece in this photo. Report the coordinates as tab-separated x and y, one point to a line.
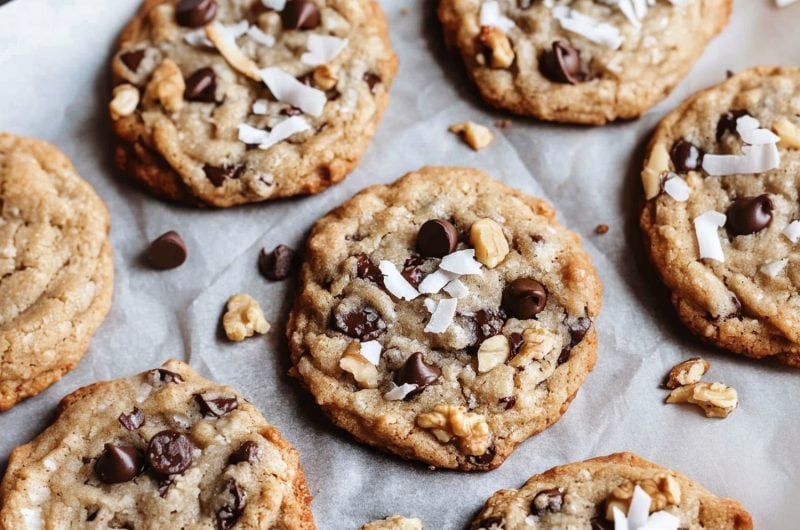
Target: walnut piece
687	373
124	102
167	86
536	344
395	522
324	77
491	245
492	353
656	166
162	21
364	372
501	54
227	47
468	428
243	318
716	399
476	136
789	133
663	490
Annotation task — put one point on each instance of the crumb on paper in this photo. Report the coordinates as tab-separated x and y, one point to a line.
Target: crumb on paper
601	229
474	135
502	124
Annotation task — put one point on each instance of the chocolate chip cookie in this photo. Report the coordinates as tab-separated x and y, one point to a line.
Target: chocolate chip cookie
721	221
224	102
163	449
445	318
580	61
56	268
597	492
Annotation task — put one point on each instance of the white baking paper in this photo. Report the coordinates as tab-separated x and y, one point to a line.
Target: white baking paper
55	84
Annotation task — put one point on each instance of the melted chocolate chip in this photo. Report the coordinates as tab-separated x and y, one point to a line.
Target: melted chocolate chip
486	323
133	420
300	14
372	80
167	251
169	453
686	156
165	376
524	298
229	514
202	86
216	407
412	271
515	342
550	500
577	331
416	371
218	175
508	402
727	122
163	485
247	452
132	59
278	264
195	13
600	523
748	215
437	238
119	463
492	523
364	325
485	459
562	64
367	270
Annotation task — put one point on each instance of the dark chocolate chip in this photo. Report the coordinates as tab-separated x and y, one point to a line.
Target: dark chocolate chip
412	271
229	514
169	452
536	238
168	251
416	371
195	13
727	122
133	420
437	238
202	86
550	500
291	111
163	485
748	215
278	264
577	331
492	523
119	463
524	298
485	459
218	175
515	341
165	376
132	59
508	402
367	270
364	325
300	14
372	80
562	64
686	156
600	523
486	323
247	452
216	407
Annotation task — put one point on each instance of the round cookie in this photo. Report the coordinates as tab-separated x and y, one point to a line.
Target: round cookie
740	293
582	495
162	449
477	356
225	102
56	267
615	64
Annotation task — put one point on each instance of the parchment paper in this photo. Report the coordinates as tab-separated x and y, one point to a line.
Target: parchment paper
54	84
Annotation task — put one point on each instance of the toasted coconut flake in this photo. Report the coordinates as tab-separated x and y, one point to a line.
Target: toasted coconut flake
399	393
371	351
395	283
266	139
227	47
461	262
756	159
443	316
289	90
706	228
792	231
322	49
677	188
751	132
265	39
456	289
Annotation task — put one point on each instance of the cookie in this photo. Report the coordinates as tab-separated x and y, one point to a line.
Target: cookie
721	217
162	449
445	318
580	61
56	268
225	102
586	495
395	522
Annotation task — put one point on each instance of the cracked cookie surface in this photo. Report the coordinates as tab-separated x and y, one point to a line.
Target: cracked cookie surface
452	369
56	268
163	449
197	121
745	298
614	66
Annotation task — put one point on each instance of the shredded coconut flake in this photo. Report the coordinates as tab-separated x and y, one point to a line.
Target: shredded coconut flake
434	281
289	90
774	268
456	289
399	393
322	49
275	5
752	133
395	283
756	159
705	227
266	139
792	231
198	37
442	317
265	39
677	188
491	16
260	107
638	517
594	30
430	305
461	262
371	351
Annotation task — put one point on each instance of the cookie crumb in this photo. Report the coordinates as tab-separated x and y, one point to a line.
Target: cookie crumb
601	229
243	318
405	11
502	124
474	135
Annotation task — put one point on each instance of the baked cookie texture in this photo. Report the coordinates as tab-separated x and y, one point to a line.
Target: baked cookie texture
586	81
749	302
56	267
163	449
394	522
179	103
505	366
578	495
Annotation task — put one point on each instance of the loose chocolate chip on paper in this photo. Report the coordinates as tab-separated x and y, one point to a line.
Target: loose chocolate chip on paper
416	371
562	64
202	86
300	14
247	452
216	407
727	122
748	215
218	175
278	264
168	251
686	156
169	452
367	270
132	420
119	463
195	13
229	514
524	298
364	325
132	59
437	238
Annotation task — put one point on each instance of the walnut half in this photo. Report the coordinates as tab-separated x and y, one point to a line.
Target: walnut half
448	421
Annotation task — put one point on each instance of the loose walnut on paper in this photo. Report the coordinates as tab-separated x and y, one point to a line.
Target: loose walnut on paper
686	373
716	399
243	318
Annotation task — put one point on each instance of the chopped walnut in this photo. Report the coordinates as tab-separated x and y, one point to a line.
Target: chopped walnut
716	399
394	522
324	77
655	167
124	102
167	86
468	428
243	318
663	490
476	136
536	344
687	373
364	372
162	21
501	53
492	353
491	245
789	133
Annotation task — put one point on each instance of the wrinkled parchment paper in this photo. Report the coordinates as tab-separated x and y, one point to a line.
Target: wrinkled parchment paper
54	84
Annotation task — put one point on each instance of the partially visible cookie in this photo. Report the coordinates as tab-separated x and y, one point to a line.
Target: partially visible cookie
163	449
722	217
580	61
224	102
445	318
395	522
56	268
585	495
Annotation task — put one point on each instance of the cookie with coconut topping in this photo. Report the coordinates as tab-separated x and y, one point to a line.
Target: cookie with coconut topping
445	318
580	61
224	102
721	217
617	491
163	449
